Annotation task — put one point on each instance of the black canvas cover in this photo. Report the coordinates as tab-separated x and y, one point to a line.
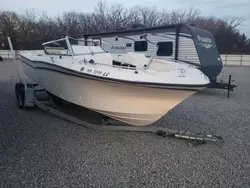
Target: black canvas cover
211	63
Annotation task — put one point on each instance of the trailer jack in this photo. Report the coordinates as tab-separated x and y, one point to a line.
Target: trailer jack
223	85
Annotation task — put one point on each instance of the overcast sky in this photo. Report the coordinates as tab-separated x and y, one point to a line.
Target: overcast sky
220	8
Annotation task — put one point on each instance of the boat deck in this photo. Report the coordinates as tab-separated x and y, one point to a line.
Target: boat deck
40	150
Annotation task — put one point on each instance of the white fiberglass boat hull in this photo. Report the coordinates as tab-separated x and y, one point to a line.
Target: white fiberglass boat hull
131	104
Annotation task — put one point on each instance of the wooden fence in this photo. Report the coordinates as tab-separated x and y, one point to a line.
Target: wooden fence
6	54
231	59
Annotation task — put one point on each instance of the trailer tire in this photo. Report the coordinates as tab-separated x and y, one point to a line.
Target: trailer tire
17	86
20	99
1	59
20	95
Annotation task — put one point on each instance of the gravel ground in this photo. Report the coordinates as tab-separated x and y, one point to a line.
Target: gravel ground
40	150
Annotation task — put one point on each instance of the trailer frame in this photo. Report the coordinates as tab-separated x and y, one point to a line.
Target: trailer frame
27	97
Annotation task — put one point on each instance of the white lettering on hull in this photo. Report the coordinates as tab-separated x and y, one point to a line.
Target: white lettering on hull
94	72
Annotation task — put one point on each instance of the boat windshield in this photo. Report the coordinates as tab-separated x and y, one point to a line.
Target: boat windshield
71	46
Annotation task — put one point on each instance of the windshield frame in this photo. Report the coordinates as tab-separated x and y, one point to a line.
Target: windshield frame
70	50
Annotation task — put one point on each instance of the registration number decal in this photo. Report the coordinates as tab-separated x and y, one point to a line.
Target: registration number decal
94	71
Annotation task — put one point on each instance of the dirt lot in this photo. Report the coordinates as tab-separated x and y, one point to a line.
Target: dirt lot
40	150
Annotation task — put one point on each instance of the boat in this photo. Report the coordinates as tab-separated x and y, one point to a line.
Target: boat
132	88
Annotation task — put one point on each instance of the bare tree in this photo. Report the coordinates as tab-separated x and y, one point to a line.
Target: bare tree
9	25
116	16
233	22
29	30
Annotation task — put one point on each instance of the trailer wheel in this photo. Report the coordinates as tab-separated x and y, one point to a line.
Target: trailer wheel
17	87
20	98
20	95
1	59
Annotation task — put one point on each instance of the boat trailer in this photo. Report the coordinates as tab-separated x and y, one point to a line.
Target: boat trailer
28	96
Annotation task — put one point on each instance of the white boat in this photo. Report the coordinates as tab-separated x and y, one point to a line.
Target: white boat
132	88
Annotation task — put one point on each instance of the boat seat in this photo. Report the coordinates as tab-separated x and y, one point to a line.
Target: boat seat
160	65
133	59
